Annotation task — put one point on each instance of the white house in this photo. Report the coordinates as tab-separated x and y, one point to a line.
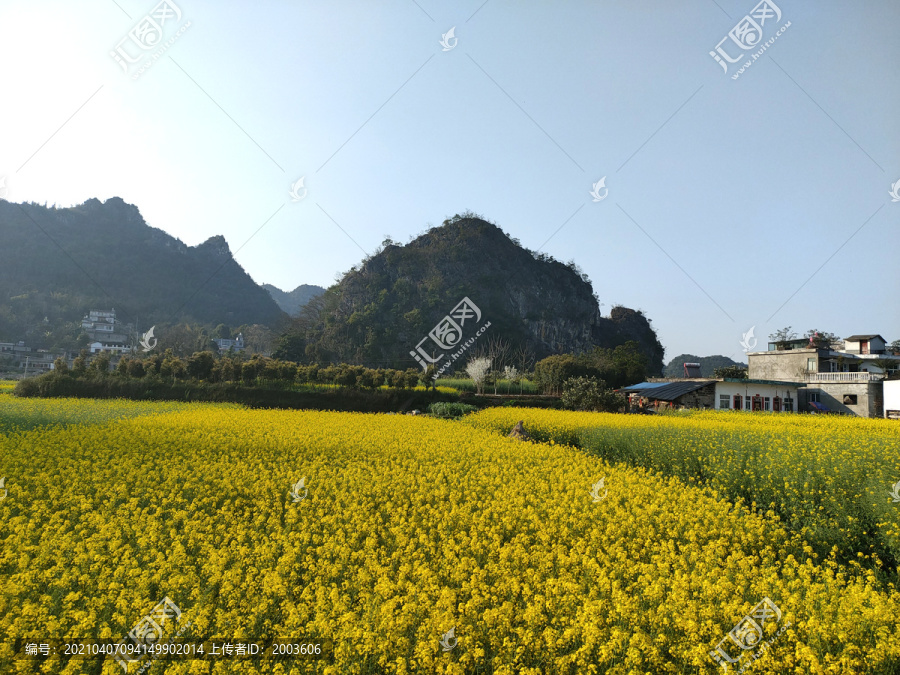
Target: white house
757	395
112	347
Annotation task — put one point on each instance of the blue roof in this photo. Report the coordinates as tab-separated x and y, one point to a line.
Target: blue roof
667	391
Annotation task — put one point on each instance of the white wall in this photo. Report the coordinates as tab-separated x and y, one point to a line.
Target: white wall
752	389
891	396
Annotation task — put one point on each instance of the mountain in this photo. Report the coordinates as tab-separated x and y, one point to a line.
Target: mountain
382	309
708	364
56	264
293	301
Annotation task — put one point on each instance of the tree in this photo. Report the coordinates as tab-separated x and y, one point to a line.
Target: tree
200	365
478	369
524	357
551	372
629	365
135	367
512	375
782	336
428	376
79	364
821	339
734	372
368	379
894	347
181	339
410	378
259	339
498	351
171	366
589	393
100	364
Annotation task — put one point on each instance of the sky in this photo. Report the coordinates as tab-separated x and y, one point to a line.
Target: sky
726	200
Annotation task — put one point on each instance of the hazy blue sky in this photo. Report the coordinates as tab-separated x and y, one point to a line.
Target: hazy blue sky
758	201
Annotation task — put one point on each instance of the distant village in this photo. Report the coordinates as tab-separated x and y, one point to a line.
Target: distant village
855	377
106	334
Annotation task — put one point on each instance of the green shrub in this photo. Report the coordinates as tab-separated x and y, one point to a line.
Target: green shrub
589	393
450	410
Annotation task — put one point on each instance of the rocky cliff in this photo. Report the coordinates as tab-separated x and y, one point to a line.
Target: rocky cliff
382	309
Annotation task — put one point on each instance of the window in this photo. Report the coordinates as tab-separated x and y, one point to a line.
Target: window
814	397
788	405
724	402
768	403
737	402
849	399
811	365
747	403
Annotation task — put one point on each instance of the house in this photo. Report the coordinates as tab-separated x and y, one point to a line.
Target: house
112	347
237	344
19	357
849	379
716	394
671	393
757	395
865	344
106	333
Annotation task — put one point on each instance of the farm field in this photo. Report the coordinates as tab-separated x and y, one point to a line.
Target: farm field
828	478
411	526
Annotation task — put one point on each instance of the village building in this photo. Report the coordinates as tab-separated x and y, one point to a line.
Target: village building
714	394
16	356
106	333
225	344
848	379
853	377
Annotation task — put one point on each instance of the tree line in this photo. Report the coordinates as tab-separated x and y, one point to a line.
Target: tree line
205	366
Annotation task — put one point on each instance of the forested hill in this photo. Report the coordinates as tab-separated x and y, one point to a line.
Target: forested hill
56	264
708	364
381	309
292	301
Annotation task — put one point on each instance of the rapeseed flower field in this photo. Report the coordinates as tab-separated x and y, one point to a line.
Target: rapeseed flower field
408	528
827	478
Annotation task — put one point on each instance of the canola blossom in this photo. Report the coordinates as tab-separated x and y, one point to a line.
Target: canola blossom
827	478
408	527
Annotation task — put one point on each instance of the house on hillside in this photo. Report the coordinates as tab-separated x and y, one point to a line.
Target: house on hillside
237	344
106	333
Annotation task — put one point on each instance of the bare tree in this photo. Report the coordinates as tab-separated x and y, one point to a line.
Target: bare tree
524	357
259	339
498	351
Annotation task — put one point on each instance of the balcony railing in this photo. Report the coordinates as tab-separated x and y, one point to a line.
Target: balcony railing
844	377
